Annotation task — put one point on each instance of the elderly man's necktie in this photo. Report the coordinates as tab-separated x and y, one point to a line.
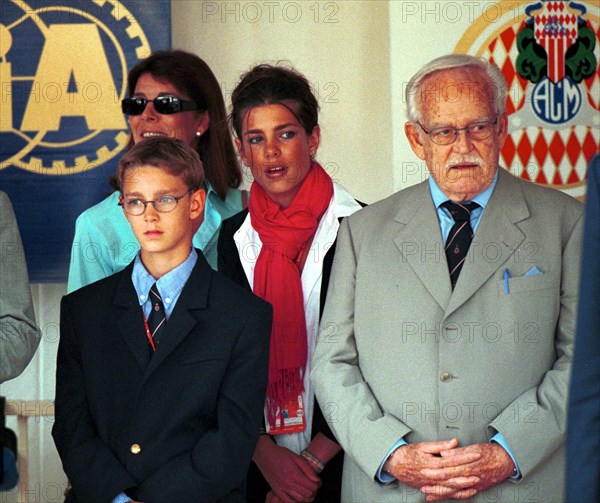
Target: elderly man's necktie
459	238
157	318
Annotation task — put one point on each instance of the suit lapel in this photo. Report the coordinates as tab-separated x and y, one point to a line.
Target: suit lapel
129	318
194	297
420	243
495	241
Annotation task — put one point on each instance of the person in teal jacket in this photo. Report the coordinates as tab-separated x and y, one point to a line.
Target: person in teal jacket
171	93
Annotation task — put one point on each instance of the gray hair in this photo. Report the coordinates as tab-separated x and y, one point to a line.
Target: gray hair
449	61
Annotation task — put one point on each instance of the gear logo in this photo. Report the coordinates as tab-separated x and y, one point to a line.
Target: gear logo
548	51
63	70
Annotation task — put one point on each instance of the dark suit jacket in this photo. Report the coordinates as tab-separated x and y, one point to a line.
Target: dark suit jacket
583	433
229	264
192	410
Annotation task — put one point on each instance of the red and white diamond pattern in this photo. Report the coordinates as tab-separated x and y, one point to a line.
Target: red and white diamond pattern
557	158
556	33
545	156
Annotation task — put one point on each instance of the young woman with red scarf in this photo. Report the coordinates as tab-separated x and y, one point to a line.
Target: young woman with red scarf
282	248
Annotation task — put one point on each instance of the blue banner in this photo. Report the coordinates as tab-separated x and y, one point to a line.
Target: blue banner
63	72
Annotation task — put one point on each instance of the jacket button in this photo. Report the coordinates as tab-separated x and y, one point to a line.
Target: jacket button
135	449
446	377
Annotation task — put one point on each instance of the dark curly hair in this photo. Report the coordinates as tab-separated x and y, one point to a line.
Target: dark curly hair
268	84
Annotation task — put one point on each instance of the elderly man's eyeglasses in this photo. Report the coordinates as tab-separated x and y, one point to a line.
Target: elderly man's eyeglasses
162	104
164	204
447	135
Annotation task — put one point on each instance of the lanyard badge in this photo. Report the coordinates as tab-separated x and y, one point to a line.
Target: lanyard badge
290	418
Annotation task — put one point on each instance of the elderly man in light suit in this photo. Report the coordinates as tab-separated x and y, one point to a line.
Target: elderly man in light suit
451	384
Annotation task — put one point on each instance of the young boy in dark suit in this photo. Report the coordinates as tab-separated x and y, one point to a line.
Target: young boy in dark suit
162	367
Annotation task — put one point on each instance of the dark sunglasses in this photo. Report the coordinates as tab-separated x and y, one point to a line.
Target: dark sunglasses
162	104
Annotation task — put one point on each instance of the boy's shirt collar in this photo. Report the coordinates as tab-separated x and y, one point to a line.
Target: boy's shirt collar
169	286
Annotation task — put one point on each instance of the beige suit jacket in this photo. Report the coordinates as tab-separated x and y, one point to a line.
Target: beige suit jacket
19	334
401	355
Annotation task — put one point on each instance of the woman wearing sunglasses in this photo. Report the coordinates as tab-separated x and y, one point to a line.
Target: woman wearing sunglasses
173	94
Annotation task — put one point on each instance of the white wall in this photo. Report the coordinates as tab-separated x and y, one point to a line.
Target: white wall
343	49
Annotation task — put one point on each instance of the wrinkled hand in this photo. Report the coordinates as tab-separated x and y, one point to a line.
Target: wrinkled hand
409	464
289	475
492	466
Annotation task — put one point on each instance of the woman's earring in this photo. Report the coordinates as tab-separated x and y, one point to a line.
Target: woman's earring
198	133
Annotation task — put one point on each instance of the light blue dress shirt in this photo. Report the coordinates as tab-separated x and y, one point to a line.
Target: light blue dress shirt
444	216
121	498
169	287
105	244
446	222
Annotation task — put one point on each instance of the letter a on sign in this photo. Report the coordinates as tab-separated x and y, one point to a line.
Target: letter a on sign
73	79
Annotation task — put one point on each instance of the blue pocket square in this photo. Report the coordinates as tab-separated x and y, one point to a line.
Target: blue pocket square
533	271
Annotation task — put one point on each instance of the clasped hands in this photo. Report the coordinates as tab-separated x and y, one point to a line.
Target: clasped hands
442	470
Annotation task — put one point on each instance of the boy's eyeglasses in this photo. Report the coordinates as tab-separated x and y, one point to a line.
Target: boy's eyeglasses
164	204
446	135
165	105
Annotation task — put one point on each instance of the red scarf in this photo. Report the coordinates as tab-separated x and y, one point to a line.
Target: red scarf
284	233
